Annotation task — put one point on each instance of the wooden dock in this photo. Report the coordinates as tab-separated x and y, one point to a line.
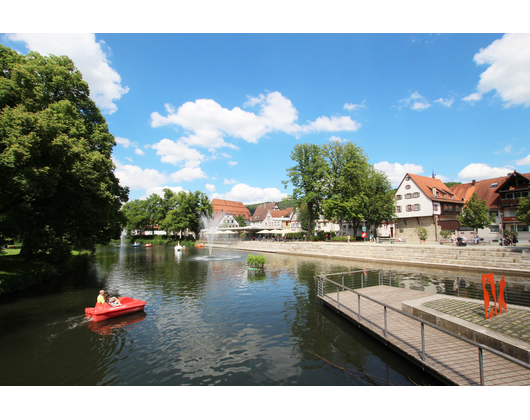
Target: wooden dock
453	360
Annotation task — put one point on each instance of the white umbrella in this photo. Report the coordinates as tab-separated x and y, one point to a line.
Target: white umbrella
264	231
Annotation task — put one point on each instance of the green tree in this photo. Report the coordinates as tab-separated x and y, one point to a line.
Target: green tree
308	178
58	184
378	199
186	211
241	220
347	170
475	214
523	212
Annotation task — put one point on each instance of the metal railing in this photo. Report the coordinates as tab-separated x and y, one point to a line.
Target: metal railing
322	279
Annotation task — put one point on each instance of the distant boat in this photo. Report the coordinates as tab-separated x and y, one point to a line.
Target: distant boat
136	244
148	245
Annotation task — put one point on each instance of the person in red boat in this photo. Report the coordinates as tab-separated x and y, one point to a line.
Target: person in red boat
101	297
114	302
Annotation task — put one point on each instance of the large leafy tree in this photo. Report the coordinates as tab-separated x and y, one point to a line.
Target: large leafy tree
347	171
378	199
58	185
475	213
175	212
308	178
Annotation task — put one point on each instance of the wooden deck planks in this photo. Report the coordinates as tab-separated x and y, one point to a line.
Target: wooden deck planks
452	358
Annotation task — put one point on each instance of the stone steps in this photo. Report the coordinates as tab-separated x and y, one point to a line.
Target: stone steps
479	257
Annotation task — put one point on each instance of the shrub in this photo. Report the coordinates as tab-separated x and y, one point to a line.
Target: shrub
256	261
446	234
422	233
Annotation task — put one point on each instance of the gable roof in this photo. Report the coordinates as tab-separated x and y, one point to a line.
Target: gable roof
426	184
486	189
261	211
231	207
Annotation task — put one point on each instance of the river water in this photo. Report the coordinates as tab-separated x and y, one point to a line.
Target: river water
208	321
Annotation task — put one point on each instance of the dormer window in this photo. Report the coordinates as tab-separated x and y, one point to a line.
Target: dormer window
494	185
434	192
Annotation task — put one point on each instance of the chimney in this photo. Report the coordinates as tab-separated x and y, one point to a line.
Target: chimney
473	183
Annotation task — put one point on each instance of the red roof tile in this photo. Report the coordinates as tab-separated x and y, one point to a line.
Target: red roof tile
231	207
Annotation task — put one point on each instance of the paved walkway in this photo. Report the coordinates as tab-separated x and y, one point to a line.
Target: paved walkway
515	322
450	357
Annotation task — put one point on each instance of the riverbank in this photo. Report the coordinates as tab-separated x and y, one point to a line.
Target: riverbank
477	258
17	274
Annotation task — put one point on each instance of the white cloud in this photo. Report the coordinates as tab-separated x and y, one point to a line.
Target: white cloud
509	69
135	177
176	151
232	163
88	57
210	187
473	97
139	151
396	171
445	102
354	107
479	171
416	102
331	124
209	123
230	181
508	149
249	195
188	174
524	161
123	141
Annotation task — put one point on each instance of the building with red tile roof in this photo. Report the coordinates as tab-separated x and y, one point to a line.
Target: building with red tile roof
235	208
428	202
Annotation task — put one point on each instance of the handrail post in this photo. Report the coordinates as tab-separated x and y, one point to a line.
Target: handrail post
390	278
457	286
359	306
338	301
343	282
362	280
421	281
481	365
423	342
385	323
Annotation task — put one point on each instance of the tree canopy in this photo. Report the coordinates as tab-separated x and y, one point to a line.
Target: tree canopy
175	212
337	181
475	213
58	185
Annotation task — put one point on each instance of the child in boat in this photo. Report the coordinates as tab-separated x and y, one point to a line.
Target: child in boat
114	302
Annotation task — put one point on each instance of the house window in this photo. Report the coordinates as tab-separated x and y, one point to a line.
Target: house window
494	213
407	187
407	178
435	207
494	228
398	209
416	195
409	207
457	209
522	228
399	197
509	213
416	207
408	195
494	184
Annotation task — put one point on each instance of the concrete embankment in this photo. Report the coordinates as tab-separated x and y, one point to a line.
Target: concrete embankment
502	260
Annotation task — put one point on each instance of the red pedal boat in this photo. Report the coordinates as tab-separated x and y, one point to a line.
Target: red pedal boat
104	311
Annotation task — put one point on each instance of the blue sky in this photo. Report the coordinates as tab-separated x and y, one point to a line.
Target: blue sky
221	112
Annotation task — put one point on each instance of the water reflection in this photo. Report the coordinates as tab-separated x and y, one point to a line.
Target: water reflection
207	321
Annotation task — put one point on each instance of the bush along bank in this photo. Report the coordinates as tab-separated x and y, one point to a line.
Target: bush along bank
16	274
256	261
